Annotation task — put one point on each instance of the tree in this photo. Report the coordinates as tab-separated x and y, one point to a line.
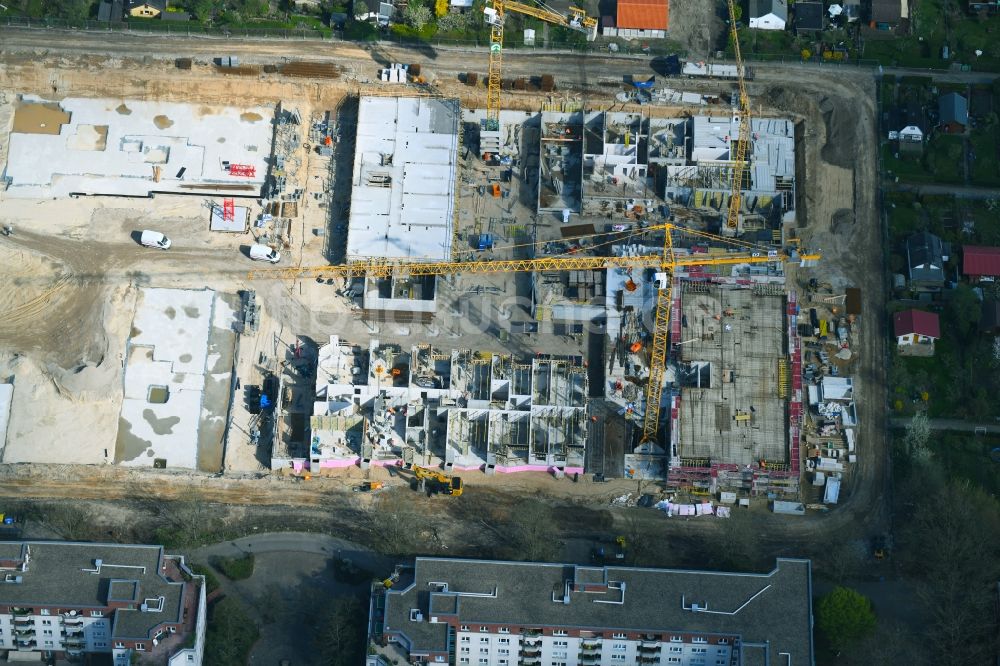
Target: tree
230	635
918	434
73	10
844	616
964	310
202	10
440	8
533	533
952	556
341	635
416	15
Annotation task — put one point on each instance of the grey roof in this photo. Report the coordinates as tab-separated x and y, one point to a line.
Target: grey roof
62	574
990	320
887	11
760	8
808	15
925	257
953	108
111	10
774	607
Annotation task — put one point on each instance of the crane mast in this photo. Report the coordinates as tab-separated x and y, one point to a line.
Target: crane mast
742	116
575	19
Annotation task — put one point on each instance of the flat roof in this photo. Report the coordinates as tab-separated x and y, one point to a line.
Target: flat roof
66	575
132	148
165	378
403	186
773	607
736	339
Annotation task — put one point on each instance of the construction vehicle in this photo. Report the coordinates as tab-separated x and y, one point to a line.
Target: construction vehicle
438	482
667	262
576	19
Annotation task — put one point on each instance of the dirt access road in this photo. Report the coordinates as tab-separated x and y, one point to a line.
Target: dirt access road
837	206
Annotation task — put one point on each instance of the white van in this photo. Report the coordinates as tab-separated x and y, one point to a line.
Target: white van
260	252
154	239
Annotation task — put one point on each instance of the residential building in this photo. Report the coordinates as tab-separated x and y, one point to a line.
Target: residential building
886	14
911	134
488	613
638	19
403	186
768	14
925	257
953	113
378	12
146	8
916	327
808	16
111	11
981	263
69	599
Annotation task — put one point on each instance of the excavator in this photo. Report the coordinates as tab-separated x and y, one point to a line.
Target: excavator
437	482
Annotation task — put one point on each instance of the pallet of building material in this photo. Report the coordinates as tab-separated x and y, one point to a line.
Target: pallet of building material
315	70
290	209
239	70
183	63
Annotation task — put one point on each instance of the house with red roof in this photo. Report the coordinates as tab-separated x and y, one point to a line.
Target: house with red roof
981	263
640	19
916	328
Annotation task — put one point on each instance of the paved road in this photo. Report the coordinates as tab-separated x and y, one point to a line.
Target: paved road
282	542
955	425
960	191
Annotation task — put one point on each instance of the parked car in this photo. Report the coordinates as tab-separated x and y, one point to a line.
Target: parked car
259	252
154	239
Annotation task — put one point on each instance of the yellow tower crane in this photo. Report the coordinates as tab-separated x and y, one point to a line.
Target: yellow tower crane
667	262
742	116
575	19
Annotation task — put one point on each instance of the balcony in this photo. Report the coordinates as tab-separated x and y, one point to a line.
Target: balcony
649	659
75	642
71	619
27	633
591	658
649	646
532	651
20	611
531	661
73	631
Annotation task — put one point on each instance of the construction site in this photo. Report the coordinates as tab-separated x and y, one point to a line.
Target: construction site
461	410
538	287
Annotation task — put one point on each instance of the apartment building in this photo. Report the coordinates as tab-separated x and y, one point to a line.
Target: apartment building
65	599
482	613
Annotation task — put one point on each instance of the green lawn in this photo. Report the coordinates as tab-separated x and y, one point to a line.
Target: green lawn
908	167
943	157
235	568
985	143
904	216
968	457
